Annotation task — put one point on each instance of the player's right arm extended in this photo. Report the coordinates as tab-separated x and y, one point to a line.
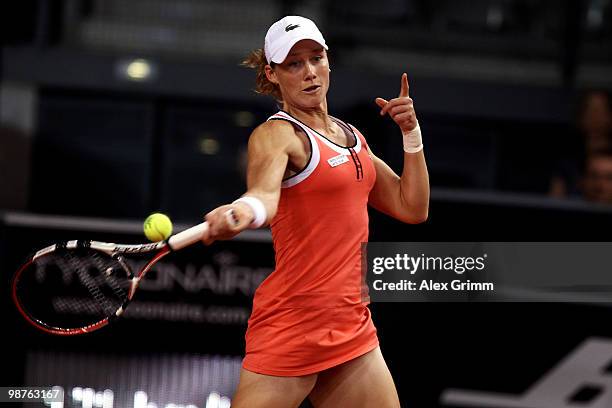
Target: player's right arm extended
270	145
269	148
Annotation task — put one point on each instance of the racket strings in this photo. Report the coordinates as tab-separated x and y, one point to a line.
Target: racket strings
92	275
112	271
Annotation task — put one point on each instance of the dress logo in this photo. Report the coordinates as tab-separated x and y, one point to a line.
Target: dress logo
338	160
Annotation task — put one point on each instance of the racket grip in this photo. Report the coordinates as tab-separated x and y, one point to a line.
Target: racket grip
188	237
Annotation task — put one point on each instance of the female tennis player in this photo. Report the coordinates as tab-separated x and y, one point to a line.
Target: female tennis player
311	176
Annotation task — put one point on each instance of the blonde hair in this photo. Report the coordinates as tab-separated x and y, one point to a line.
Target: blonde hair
257	60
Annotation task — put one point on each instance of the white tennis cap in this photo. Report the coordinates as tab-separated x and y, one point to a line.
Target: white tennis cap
287	31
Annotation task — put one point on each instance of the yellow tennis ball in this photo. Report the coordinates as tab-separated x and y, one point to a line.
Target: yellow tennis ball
157	227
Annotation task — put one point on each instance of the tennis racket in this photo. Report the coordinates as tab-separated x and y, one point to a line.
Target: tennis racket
76	287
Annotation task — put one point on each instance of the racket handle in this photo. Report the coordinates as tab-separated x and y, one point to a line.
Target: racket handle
188	237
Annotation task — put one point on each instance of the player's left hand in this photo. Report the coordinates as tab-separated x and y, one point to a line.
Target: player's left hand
401	109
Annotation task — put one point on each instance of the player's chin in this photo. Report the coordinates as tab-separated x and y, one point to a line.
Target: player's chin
311	101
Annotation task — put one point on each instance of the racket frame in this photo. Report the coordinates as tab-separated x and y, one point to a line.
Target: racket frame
176	242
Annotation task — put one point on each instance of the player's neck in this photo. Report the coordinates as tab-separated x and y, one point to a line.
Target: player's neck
316	118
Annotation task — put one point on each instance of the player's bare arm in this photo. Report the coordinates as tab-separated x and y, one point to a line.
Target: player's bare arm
270	148
405	198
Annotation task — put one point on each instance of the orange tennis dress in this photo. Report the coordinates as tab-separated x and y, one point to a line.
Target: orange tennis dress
311	312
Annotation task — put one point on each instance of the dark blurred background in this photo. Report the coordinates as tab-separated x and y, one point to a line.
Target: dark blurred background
148	97
113	109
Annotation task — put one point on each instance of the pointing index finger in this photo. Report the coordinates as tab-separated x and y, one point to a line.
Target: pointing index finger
405	87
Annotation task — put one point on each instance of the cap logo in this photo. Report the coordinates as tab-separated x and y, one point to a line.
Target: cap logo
291	27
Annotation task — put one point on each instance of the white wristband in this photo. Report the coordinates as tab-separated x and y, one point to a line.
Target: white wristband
412	140
260	215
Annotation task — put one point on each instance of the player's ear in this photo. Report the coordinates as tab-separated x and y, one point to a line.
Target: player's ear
271	75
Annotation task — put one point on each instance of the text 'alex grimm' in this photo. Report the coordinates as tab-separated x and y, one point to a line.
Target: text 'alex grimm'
430	285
